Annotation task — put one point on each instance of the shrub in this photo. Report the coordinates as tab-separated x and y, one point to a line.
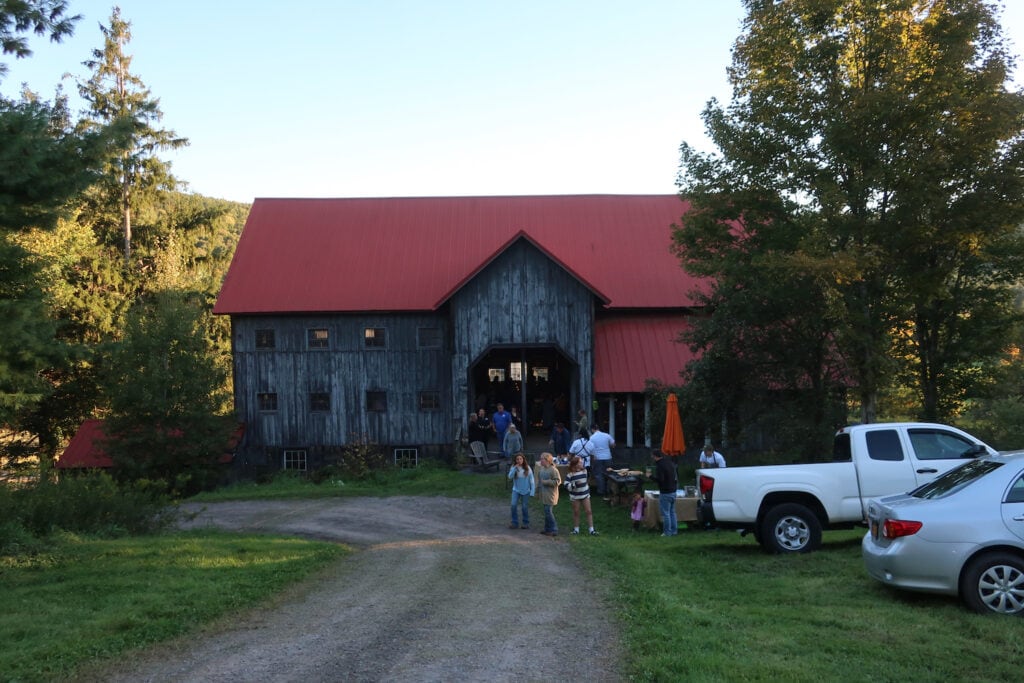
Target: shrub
91	504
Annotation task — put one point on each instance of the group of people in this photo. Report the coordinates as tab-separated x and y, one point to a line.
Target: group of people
549	480
506	426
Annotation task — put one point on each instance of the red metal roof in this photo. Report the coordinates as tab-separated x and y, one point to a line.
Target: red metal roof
630	350
85	449
411	254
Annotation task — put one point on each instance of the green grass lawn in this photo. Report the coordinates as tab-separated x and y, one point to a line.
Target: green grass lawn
703	606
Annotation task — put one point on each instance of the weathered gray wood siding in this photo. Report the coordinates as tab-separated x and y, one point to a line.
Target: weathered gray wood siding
522	298
345	370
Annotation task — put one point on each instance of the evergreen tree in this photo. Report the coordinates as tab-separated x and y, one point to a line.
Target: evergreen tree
42	17
115	95
867	189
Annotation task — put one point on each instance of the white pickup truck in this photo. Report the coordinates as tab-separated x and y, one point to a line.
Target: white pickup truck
787	506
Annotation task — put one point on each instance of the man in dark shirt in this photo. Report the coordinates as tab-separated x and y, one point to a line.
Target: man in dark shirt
668	483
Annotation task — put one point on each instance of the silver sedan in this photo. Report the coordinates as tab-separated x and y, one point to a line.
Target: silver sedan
960	534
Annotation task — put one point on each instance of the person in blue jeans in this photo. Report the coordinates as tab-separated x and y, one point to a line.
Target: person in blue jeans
668	483
500	422
549	480
522	488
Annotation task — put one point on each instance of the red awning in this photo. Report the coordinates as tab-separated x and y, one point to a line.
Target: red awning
630	350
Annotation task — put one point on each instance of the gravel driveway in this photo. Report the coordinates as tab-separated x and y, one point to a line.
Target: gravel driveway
439	589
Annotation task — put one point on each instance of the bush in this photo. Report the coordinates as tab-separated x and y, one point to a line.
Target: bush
91	504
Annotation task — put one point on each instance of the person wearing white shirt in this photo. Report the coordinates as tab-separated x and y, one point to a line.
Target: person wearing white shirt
582	448
710	458
602	443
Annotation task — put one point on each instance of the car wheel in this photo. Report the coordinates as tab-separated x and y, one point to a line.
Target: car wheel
790	528
994	583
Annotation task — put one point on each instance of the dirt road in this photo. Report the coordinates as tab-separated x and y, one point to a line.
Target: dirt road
439	589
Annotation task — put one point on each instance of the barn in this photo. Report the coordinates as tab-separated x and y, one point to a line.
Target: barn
388	320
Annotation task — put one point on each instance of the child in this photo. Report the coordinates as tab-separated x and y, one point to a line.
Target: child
636	513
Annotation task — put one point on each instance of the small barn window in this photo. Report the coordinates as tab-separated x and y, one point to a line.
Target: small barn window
428	337
265	339
294	459
496	374
375	337
318	338
319	401
406	458
267	401
430	400
377	401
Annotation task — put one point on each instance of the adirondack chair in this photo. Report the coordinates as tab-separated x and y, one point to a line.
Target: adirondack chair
484	460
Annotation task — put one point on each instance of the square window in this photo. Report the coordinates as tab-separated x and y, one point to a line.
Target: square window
377	401
374	338
267	401
430	400
428	337
318	338
319	401
294	459
265	339
406	458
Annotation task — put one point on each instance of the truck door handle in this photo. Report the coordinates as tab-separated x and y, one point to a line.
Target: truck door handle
927	470
1019	518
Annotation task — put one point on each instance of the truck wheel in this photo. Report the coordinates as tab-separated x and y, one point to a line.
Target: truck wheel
994	584
790	528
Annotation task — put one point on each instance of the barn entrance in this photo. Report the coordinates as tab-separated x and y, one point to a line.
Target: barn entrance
537	381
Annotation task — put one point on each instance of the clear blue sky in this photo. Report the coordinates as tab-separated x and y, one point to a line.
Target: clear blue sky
354	98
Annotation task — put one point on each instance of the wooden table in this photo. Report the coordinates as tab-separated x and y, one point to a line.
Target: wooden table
686	510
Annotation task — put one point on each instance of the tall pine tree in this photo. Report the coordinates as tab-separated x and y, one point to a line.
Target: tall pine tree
115	95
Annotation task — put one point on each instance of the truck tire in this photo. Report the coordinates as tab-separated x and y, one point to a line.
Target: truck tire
994	584
790	528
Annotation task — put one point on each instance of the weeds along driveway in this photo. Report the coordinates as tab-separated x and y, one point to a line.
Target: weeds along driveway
439	589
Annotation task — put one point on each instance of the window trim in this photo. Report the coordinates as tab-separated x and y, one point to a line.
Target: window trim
425	393
324	407
436	342
375	337
317	342
376	393
263	399
268	338
295	455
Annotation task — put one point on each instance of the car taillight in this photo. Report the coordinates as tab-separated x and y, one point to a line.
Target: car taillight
707	485
894	528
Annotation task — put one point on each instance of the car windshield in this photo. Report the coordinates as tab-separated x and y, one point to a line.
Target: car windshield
955	479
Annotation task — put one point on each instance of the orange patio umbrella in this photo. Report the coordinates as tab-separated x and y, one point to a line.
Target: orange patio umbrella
672	441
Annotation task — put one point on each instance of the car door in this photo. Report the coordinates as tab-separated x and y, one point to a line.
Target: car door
934	450
1013	507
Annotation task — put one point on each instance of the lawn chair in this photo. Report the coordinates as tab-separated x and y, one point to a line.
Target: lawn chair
483	460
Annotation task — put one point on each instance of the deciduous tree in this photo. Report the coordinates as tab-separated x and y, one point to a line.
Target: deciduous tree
868	176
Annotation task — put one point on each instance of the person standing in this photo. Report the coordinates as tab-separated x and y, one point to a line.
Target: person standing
579	494
668	483
516	419
513	442
560	440
582	425
602	444
710	458
581	447
500	422
483	427
549	480
522	488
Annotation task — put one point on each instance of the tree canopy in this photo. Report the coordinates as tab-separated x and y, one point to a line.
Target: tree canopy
861	215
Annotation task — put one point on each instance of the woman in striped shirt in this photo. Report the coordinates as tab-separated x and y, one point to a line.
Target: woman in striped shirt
579	494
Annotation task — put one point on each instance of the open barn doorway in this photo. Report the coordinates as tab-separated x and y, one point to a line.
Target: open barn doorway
538	381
